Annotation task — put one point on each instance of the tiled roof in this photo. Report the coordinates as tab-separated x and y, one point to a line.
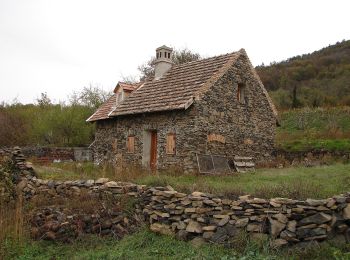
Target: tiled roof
103	111
127	86
177	88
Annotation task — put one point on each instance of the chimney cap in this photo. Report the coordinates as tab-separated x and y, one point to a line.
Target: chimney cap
163	47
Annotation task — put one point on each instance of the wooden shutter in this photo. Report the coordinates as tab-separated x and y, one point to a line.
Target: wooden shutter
170	144
131	144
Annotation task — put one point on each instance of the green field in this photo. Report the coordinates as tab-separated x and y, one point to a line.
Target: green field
294	182
317	128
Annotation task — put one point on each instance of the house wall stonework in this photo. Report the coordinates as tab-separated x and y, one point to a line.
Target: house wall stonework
245	128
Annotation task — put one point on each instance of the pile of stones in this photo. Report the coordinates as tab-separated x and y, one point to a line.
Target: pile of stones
60	224
217	219
18	160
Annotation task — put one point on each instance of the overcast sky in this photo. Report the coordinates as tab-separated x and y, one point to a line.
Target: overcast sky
60	46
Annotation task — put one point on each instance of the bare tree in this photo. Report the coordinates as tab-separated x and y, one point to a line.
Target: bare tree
92	96
178	57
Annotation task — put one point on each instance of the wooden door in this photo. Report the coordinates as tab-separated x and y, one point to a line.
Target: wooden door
153	159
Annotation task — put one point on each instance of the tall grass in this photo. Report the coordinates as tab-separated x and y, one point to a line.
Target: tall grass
12	225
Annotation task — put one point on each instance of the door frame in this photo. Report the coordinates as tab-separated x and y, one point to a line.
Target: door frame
153	150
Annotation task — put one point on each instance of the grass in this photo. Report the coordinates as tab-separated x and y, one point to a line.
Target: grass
293	182
146	245
317	128
299	182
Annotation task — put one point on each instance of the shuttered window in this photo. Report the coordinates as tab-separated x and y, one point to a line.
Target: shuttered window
131	144
170	144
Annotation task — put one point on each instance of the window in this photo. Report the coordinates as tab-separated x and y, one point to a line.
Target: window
130	144
120	97
241	93
169	55
170	143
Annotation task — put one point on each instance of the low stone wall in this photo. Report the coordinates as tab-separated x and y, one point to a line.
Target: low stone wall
197	215
189	216
307	158
50	154
217	219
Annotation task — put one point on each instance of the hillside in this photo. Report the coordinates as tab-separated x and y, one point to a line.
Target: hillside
321	78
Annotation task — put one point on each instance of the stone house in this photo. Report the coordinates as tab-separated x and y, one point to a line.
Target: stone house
214	106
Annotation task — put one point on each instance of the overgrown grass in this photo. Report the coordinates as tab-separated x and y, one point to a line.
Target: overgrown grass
146	245
317	128
298	182
294	182
87	170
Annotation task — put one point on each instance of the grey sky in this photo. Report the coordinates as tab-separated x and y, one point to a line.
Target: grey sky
60	46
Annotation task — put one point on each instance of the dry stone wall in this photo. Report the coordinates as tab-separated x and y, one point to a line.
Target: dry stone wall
50	154
215	219
198	215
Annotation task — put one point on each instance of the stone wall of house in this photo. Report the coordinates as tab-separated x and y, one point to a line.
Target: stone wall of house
111	139
243	129
248	127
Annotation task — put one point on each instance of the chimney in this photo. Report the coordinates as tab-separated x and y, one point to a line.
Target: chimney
163	61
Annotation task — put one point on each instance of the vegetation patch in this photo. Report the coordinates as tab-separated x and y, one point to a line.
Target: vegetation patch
319	128
294	182
147	245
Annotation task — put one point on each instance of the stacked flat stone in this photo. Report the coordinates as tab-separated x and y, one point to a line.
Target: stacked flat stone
18	160
31	186
215	219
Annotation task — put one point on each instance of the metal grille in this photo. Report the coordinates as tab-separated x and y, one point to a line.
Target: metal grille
213	164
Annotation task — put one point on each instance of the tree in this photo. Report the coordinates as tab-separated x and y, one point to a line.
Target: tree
13	130
92	96
44	100
178	57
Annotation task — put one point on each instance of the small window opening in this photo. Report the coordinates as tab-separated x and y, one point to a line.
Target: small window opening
169	55
130	144
160	55
241	93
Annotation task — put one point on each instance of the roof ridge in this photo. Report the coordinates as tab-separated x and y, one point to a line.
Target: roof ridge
205	59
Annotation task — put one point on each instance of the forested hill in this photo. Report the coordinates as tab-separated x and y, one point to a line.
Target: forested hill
321	78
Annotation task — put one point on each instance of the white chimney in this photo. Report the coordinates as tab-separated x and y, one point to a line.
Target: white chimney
163	61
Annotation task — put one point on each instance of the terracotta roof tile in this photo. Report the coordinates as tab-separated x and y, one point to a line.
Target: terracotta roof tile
128	86
103	111
176	88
